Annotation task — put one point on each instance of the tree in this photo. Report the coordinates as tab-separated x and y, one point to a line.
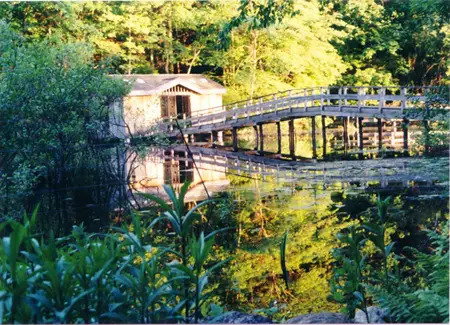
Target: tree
283	59
391	42
256	16
368	42
423	39
55	109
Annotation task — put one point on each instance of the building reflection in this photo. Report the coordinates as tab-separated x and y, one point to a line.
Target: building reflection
148	174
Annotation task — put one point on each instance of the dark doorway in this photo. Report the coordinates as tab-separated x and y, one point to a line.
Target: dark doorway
172	106
183	106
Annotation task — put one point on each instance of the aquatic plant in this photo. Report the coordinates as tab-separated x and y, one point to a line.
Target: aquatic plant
189	246
417	293
283	259
347	283
422	297
376	234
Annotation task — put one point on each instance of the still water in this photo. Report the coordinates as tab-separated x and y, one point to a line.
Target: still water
264	197
312	215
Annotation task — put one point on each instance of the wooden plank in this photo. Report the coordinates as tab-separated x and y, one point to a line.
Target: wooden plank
380	134
235	139
345	124
279	137
405	136
292	139
324	137
255	130
313	137
214	138
360	136
261	140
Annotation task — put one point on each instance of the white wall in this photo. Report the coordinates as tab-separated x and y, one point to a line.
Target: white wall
199	103
141	112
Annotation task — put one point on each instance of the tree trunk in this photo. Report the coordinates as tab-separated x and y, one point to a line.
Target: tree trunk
194	58
168	44
253	60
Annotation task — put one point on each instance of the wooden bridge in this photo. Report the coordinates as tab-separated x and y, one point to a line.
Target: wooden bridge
381	103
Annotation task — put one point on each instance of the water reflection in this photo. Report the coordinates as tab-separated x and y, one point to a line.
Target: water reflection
313	215
159	167
262	198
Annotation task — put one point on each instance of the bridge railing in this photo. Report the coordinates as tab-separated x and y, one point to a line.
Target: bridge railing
360	97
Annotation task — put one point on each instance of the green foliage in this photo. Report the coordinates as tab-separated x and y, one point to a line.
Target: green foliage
423	38
434	116
55	111
194	279
376	234
424	297
256	16
93	278
356	42
347	285
412	289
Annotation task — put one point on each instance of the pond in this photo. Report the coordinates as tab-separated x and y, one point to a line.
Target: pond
312	215
265	197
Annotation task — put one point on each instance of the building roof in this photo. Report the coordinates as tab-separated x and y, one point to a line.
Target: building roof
150	84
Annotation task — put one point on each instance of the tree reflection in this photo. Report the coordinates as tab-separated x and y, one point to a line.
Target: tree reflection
313	216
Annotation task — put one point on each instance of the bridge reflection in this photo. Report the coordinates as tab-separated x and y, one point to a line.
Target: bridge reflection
175	167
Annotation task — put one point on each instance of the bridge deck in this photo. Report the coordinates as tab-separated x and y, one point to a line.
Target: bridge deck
364	102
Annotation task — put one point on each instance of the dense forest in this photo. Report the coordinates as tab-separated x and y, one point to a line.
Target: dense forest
76	246
254	47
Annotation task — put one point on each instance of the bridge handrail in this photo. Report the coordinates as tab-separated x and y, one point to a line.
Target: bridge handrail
282	100
281	94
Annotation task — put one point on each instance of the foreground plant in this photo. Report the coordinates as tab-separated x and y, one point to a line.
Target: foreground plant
423	297
347	284
194	275
104	278
410	289
283	259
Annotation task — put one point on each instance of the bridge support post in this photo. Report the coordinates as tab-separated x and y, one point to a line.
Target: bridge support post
324	137
261	139
360	137
255	130
235	139
279	137
345	135
214	138
313	137
405	136
292	139
380	133
393	133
